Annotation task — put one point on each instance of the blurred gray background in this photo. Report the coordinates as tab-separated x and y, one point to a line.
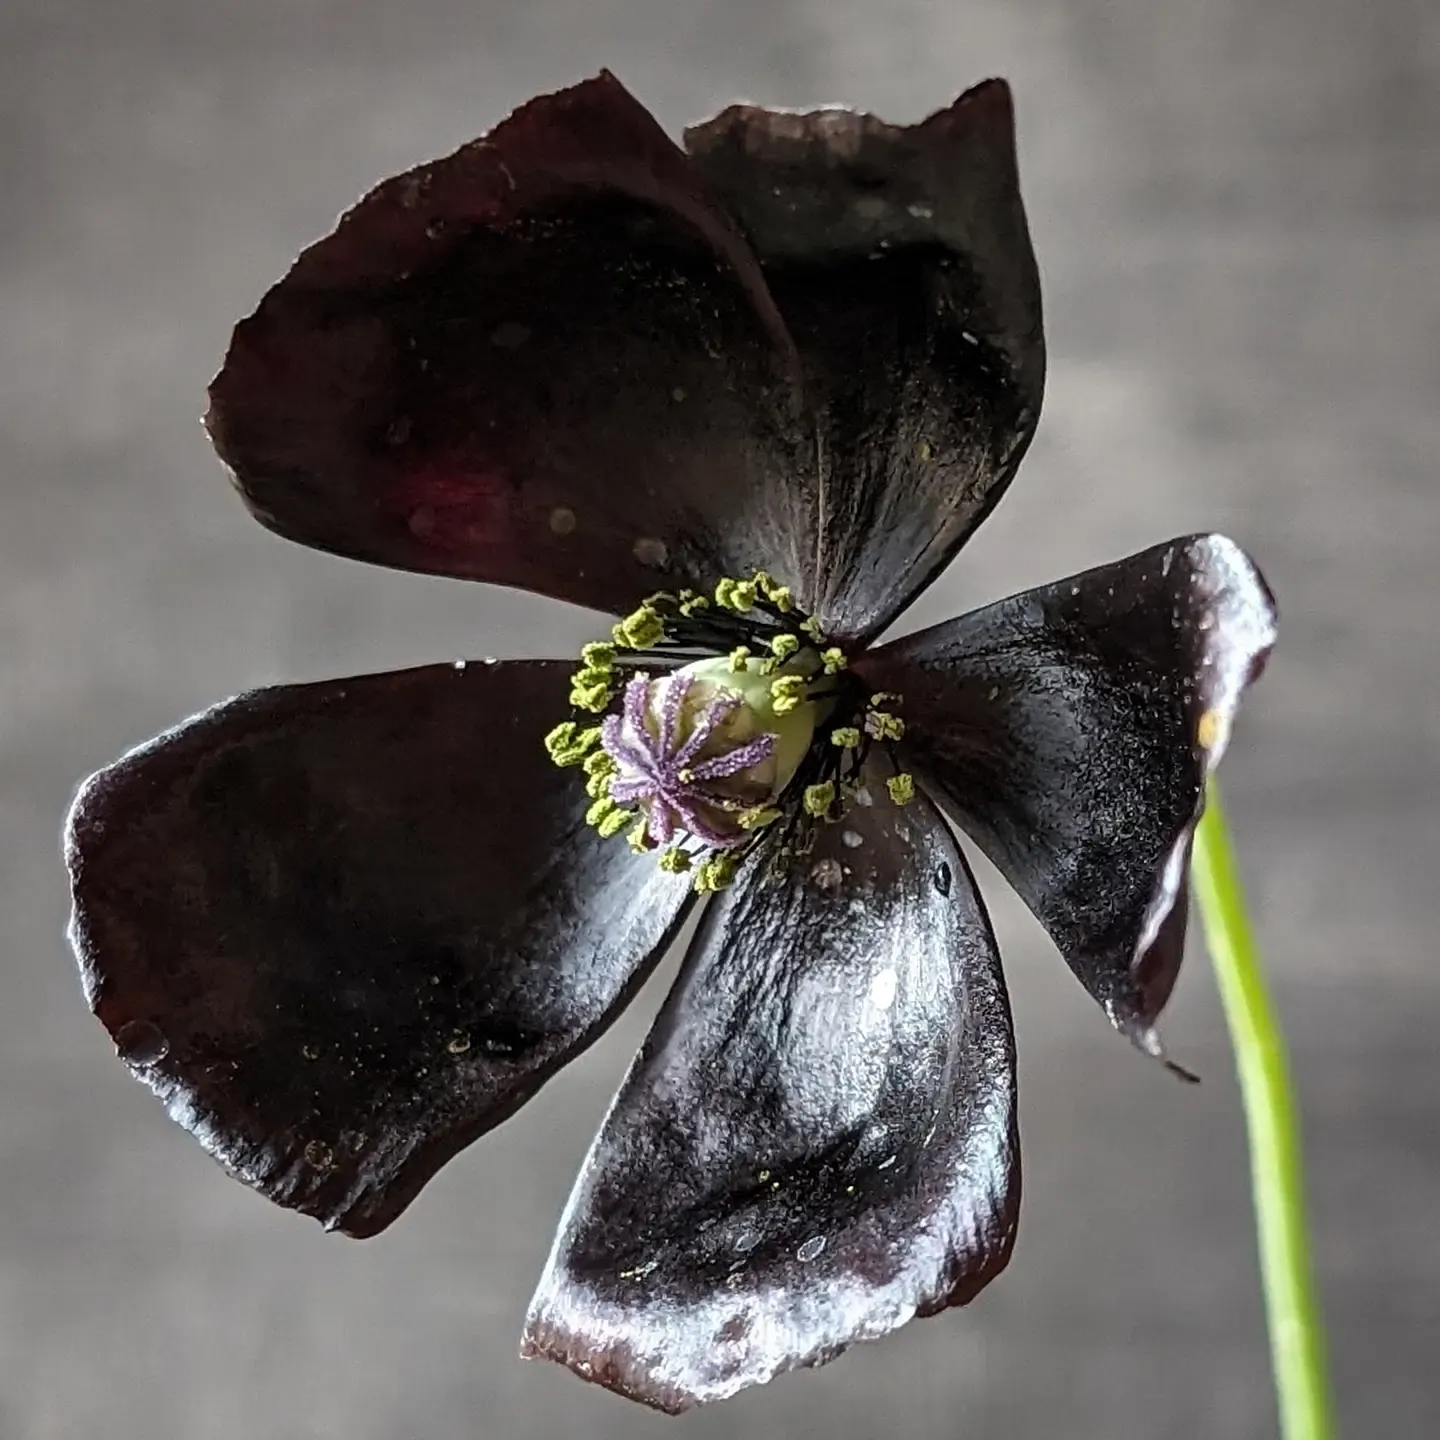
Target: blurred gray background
1237	209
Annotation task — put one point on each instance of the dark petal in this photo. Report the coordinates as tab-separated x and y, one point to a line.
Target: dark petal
817	1141
901	261
344	929
546	361
1070	730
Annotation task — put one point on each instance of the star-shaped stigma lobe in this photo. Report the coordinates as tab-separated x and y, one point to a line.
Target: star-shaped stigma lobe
679	754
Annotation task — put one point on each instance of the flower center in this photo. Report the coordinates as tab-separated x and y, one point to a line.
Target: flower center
764	724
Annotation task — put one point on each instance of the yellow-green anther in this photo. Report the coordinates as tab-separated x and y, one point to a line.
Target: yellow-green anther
598	762
674	861
737	595
600	811
638	837
884	726
567	744
882	697
691	601
740	659
598	655
847	737
819	798
786	693
778	595
833	660
614	822
782	647
597	786
715	874
560	743
593	698
811	626
641	629
757	816
901	787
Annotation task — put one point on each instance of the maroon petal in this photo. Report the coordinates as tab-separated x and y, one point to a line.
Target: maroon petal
901	261
344	929
546	361
1070	730
817	1141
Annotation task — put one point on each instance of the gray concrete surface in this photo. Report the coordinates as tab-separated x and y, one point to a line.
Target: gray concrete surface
1237	207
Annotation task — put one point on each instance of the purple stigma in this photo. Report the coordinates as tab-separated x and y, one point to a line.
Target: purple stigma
659	770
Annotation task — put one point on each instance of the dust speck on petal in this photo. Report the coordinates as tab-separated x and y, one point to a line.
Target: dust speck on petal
1210	731
852	839
649	550
562	520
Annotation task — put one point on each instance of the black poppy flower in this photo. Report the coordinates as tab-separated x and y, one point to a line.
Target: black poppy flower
748	397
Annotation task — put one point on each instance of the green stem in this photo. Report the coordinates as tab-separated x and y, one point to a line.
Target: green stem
1297	1346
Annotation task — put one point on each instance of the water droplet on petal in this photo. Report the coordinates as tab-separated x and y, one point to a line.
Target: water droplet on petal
921	211
310	1051
139	1042
852	839
864	797
943	878
562	520
649	550
747	1240
811	1248
827	874
460	664
458	1043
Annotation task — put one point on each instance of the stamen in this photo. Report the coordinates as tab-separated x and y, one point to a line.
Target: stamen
901	787
819	798
699	760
